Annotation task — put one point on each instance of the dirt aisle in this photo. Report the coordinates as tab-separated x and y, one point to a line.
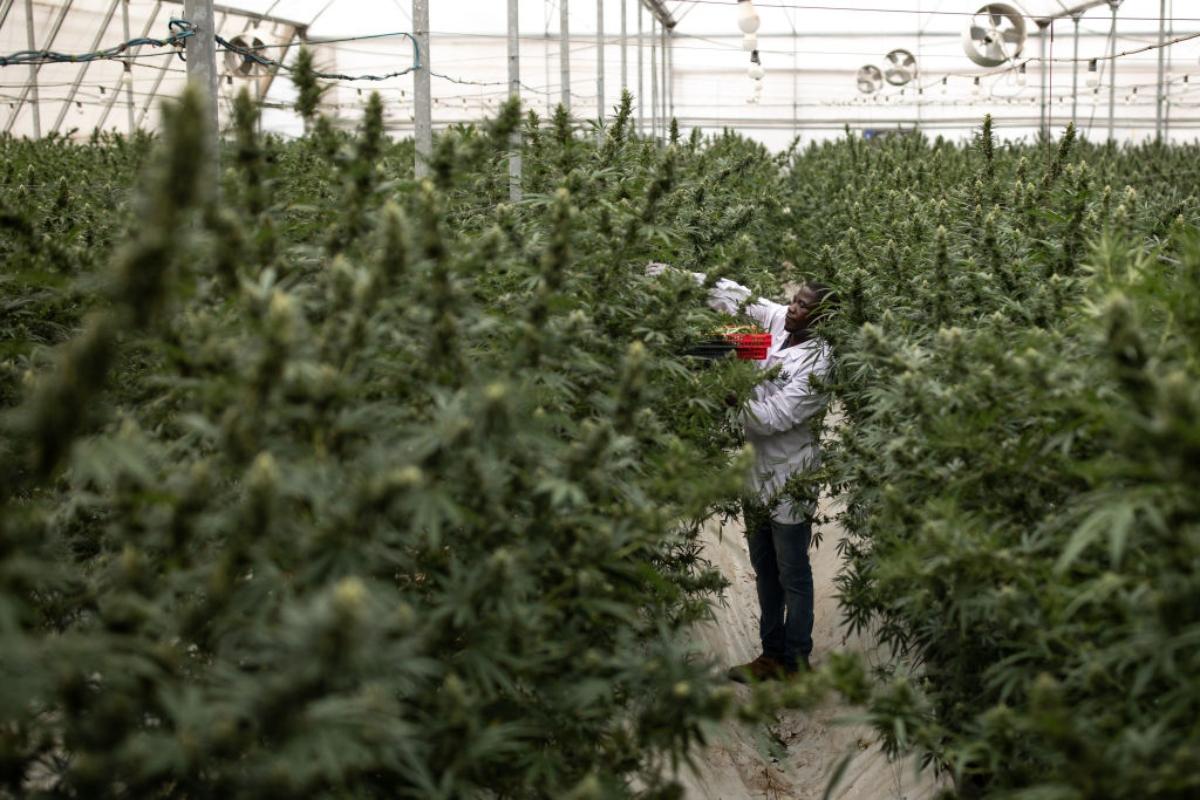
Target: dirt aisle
794	758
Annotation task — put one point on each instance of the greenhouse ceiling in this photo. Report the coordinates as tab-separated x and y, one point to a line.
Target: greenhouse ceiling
811	54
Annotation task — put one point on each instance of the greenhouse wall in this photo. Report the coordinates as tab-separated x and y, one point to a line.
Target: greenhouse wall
810	55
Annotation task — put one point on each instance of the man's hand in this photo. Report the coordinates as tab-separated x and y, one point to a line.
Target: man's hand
656	268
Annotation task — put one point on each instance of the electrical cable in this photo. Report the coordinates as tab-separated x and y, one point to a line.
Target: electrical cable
822	7
250	55
181	30
1067	60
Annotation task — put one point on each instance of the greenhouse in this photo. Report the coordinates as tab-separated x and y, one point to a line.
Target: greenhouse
895	65
572	399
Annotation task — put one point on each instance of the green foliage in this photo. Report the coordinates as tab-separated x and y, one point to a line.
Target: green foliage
308	87
1018	363
355	486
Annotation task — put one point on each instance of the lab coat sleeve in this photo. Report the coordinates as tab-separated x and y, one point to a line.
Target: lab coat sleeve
728	296
798	400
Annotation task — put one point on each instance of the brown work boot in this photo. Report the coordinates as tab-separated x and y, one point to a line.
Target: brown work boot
763	668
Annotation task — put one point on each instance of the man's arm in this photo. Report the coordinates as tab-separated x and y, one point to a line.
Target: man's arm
798	401
728	296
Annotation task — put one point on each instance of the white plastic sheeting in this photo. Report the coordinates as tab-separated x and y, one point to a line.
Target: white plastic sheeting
811	51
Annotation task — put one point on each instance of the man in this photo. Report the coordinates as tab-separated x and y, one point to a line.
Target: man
778	427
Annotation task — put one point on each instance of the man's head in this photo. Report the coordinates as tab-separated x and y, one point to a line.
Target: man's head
809	304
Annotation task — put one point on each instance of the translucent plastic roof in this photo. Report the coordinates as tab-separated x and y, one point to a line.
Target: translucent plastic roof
811	51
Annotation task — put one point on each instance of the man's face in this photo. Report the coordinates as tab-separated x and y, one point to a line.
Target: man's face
801	310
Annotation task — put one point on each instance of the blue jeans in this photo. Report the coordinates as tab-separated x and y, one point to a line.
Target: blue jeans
779	554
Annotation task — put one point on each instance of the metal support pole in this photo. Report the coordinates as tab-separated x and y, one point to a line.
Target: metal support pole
202	71
624	47
662	35
128	66
653	77
600	61
1075	74
546	54
422	94
1162	37
1170	68
514	90
564	53
641	70
33	71
671	72
1112	71
163	68
1043	73
795	79
916	81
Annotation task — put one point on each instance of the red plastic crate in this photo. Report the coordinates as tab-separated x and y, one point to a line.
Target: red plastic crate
751	346
752	353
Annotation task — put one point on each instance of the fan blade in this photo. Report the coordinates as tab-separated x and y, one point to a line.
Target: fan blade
995	51
1013	36
978	33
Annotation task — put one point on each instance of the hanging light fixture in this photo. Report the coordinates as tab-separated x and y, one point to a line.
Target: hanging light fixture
748	22
1093	78
977	88
756	71
945	84
748	19
1022	78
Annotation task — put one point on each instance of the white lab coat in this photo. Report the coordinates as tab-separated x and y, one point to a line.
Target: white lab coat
779	413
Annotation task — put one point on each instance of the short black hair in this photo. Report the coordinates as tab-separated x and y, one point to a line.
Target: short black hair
823	291
827	298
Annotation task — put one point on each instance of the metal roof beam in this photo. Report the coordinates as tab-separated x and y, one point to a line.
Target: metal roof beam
241	12
32	85
659	9
1076	9
116	89
66	106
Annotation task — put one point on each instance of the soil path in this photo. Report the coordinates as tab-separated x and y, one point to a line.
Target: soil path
795	757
